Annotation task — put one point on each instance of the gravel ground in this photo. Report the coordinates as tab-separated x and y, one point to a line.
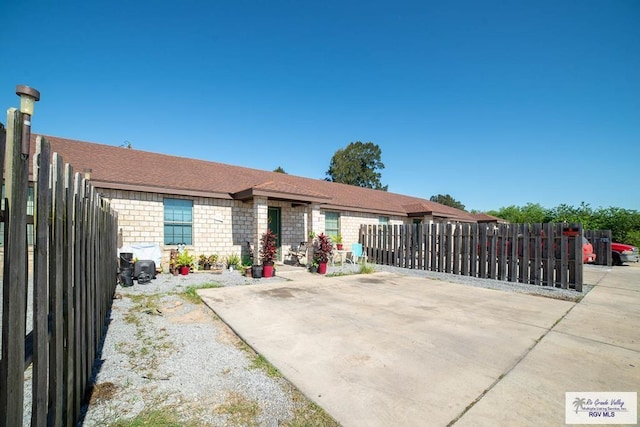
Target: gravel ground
565	294
162	351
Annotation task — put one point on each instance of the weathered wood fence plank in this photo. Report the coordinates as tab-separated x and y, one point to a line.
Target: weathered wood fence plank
42	208
15	275
538	254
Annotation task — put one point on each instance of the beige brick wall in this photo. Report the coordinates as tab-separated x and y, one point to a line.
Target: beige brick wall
224	226
219	226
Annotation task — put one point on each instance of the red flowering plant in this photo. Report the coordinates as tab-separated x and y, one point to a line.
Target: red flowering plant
269	248
322	248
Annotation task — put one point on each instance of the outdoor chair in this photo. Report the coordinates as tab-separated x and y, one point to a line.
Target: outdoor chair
356	252
298	253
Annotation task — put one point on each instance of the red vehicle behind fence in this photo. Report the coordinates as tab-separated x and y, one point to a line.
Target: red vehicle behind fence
623	253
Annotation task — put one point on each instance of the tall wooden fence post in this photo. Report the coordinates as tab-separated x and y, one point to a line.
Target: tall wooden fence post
15	275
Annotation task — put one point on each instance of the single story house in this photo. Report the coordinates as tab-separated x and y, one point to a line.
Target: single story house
218	208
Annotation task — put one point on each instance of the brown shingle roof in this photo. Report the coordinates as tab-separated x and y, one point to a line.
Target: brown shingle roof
483	217
124	168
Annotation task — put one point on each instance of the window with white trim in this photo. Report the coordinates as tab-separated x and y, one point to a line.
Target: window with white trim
331	224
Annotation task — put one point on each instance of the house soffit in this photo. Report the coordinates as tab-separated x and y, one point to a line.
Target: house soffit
281	191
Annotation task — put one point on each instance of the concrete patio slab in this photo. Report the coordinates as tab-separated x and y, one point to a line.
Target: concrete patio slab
594	348
607	314
533	394
387	349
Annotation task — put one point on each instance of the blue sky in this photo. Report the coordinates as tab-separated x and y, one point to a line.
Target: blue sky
495	102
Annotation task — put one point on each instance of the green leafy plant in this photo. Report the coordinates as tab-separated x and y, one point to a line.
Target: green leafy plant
322	248
366	268
185	259
268	247
233	260
202	260
191	293
337	239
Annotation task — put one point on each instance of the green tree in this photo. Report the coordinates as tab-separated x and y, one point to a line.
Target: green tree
582	213
527	214
446	199
357	164
279	170
623	223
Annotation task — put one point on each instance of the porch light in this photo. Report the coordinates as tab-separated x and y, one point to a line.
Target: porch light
28	97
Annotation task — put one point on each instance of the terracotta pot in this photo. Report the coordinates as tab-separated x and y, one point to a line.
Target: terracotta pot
322	268
340	246
184	270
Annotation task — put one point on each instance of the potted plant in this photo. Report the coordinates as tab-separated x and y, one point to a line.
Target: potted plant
337	239
203	262
184	262
233	262
268	251
313	268
216	266
322	250
212	259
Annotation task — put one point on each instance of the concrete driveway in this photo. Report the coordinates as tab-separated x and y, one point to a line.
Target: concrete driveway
387	349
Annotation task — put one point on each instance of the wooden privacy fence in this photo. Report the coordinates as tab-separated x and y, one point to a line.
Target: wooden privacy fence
538	254
601	241
73	281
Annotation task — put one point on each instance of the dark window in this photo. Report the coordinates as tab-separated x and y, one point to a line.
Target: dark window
178	222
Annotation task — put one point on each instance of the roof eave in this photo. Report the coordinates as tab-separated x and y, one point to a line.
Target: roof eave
158	190
250	193
364	210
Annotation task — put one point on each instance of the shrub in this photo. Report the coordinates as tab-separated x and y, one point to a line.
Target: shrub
322	248
269	248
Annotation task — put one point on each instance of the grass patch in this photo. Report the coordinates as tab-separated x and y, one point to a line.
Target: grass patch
339	273
143	303
151	346
165	417
240	410
259	362
366	268
190	294
308	414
